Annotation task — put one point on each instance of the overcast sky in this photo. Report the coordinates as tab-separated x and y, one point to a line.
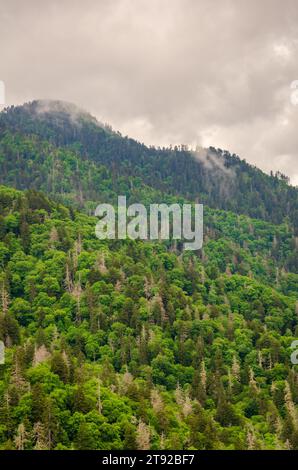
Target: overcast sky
206	72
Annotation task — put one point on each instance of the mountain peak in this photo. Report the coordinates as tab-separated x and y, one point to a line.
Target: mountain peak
58	108
48	118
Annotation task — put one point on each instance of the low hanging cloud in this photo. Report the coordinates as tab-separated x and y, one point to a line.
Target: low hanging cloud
198	72
70	110
213	162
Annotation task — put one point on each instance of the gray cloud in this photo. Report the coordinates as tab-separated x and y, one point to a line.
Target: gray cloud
166	71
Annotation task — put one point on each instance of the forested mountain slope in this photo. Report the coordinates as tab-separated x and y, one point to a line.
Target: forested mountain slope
55	147
127	344
133	344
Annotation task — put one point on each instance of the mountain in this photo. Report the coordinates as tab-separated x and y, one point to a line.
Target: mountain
126	344
56	147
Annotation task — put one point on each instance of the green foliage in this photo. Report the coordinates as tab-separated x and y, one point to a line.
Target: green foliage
81	161
131	344
125	345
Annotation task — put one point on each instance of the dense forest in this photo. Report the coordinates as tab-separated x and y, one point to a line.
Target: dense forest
57	148
122	344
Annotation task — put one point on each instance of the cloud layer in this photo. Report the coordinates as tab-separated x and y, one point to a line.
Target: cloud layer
199	72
